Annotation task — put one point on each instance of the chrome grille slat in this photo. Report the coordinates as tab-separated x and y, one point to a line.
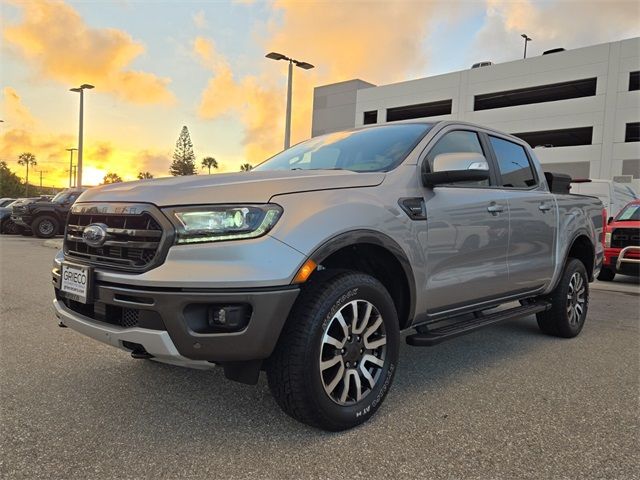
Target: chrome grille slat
134	241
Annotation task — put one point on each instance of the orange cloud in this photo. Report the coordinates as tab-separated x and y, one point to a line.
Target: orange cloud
55	39
255	100
378	42
100	156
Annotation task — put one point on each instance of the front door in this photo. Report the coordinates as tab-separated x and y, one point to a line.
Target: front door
467	234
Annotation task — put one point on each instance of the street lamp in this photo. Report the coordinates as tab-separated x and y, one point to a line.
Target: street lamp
81	89
71	150
526	40
304	66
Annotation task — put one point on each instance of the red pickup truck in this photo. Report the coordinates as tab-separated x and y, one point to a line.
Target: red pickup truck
622	244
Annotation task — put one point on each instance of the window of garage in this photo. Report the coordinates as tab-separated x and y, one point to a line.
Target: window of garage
370	117
565	137
632	132
538	94
634	81
421	110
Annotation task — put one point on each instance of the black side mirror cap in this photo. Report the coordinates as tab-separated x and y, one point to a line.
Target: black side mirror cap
431	179
609	220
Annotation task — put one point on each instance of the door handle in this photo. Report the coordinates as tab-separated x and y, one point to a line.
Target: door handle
495	209
543	207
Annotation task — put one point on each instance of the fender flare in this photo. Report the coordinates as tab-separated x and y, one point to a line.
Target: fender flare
371	237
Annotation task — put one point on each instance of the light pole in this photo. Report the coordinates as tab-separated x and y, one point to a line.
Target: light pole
81	89
71	150
526	40
75	170
304	66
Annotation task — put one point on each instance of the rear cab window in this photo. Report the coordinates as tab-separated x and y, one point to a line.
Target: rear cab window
514	164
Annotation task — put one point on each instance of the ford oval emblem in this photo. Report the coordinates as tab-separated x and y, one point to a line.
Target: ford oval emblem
95	234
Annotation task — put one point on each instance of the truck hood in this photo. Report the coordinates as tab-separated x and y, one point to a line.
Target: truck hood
242	187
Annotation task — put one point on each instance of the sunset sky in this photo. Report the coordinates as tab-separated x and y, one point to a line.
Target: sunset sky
158	66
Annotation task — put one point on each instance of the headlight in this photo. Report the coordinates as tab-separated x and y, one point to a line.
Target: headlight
607	239
215	223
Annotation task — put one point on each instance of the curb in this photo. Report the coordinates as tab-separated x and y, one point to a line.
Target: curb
53	243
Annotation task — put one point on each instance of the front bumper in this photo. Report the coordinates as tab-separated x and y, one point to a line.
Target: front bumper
167	314
625	261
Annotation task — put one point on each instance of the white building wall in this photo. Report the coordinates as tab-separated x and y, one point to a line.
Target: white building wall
607	112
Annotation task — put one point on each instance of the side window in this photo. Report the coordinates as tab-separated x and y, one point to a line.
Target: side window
458	141
513	163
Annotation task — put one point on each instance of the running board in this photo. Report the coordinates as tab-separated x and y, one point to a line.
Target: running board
452	330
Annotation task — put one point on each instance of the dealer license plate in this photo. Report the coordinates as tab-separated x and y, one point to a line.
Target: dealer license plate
76	282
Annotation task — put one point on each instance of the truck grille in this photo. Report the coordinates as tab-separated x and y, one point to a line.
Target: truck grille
625	237
134	240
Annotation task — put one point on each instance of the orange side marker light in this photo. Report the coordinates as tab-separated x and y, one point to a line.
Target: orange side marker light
305	271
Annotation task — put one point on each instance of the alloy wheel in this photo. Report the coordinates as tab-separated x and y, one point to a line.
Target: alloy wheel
353	352
576	299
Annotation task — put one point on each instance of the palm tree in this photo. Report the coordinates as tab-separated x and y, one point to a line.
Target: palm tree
144	175
27	159
111	178
209	162
246	167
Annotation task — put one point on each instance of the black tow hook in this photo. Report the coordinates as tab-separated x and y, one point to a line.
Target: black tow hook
141	354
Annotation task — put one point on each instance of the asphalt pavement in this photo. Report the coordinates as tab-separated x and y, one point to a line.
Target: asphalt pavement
505	402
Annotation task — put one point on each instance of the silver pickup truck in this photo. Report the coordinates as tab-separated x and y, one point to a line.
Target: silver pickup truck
313	265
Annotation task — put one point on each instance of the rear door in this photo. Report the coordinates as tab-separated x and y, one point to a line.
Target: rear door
467	233
532	216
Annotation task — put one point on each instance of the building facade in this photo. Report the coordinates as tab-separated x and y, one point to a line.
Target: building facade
579	109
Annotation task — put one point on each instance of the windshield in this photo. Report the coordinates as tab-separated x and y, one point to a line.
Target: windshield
631	213
61	197
373	149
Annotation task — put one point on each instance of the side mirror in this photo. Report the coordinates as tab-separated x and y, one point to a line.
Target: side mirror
610	220
455	167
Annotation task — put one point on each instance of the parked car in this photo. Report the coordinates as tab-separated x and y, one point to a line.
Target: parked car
614	195
311	265
6	201
7	226
43	217
622	244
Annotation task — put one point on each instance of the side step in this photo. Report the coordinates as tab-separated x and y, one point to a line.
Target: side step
456	329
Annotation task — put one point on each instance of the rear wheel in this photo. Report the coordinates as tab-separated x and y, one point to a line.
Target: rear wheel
569	303
606	274
337	355
45	226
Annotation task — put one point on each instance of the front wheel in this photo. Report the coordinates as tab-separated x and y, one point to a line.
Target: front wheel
569	303
45	226
337	355
9	227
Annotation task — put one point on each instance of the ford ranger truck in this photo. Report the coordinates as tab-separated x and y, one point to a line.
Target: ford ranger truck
622	244
314	266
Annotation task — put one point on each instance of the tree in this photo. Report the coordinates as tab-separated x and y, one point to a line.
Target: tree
144	175
246	167
27	159
209	162
111	178
10	184
184	160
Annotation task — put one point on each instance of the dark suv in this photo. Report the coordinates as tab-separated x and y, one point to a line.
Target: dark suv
46	218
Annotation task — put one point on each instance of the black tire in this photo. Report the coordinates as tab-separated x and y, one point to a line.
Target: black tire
606	275
10	228
563	319
294	370
45	226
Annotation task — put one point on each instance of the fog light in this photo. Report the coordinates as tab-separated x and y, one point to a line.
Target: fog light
229	318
